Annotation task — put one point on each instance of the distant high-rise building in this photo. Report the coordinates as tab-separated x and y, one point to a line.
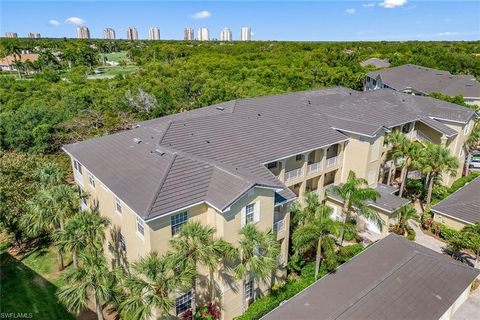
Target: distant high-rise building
83	33
154	33
109	33
11	34
203	34
226	35
132	34
34	35
246	34
188	34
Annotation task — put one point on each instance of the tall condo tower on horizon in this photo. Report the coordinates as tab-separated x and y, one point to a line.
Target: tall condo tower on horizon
154	33
83	33
246	34
34	35
226	35
11	35
132	34
109	33
203	34
188	34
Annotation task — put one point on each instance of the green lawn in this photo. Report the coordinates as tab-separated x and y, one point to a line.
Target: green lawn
117	56
29	283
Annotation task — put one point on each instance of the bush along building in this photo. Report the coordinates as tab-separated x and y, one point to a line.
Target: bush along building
245	161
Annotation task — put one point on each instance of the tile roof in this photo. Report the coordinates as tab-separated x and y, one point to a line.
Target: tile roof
464	204
376	62
427	80
231	142
393	279
23	57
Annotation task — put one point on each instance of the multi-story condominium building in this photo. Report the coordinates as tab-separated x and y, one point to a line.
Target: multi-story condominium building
132	34
188	34
245	161
226	35
418	80
11	35
83	33
34	35
203	34
246	34
109	34
154	33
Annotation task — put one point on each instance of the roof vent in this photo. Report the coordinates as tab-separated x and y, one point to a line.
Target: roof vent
469	84
159	152
137	140
207	141
220	108
259	114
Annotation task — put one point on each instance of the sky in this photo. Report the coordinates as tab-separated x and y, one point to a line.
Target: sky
269	20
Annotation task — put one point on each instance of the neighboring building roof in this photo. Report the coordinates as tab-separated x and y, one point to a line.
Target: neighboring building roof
393	279
230	143
427	80
376	62
10	60
462	205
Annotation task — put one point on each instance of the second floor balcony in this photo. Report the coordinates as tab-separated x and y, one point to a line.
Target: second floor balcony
293	174
314	167
331	162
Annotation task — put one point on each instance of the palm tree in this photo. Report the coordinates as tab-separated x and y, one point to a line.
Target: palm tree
49	176
93	279
474	138
49	210
151	284
405	214
318	231
258	252
355	193
85	230
299	214
472	233
196	245
437	160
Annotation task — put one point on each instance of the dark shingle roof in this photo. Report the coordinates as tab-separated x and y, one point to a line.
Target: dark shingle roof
229	143
464	204
427	80
376	62
393	279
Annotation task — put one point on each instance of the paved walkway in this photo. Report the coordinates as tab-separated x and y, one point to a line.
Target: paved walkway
470	309
426	240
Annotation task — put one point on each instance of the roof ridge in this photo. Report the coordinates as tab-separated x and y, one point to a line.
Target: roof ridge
162	182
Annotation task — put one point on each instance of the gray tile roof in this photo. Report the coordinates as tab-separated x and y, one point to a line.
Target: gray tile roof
376	62
207	149
393	279
464	204
438	126
427	80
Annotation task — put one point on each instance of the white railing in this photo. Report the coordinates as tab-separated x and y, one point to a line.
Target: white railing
314	167
293	174
279	226
331	162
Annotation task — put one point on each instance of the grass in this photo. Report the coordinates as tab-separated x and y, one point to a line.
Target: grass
29	283
117	56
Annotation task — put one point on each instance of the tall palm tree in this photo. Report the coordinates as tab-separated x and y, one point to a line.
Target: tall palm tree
151	284
48	176
93	279
405	214
196	245
49	210
437	160
318	231
85	230
300	214
258	252
355	193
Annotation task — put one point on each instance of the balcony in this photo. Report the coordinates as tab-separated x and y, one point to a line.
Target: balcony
331	162
313	168
279	226
293	174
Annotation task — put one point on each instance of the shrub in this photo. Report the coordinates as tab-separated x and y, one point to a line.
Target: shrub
411	234
350	234
348	252
208	312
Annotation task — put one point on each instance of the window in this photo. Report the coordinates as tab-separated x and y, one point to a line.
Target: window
121	241
272	165
249	290
118	205
77	166
183	303
406	128
374	82
91	180
177	221
298	157
249	213
140	226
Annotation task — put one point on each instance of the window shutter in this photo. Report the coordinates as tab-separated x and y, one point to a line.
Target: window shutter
244	217
256	213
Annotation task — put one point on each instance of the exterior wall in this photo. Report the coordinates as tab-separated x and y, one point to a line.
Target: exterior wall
449	221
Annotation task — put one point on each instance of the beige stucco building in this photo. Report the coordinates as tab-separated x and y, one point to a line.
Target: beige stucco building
245	161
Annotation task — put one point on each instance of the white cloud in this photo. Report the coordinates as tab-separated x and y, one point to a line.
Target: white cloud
350	11
201	15
75	20
369	5
53	22
393	3
448	33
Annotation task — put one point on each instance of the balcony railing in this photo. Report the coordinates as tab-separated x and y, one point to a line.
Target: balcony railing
313	167
293	174
279	226
331	162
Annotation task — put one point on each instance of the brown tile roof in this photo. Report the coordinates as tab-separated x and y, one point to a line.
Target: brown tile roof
9	60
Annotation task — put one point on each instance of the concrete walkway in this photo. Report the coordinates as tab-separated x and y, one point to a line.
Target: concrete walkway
470	309
426	240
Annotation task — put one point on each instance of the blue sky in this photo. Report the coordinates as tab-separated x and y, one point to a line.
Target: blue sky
269	20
